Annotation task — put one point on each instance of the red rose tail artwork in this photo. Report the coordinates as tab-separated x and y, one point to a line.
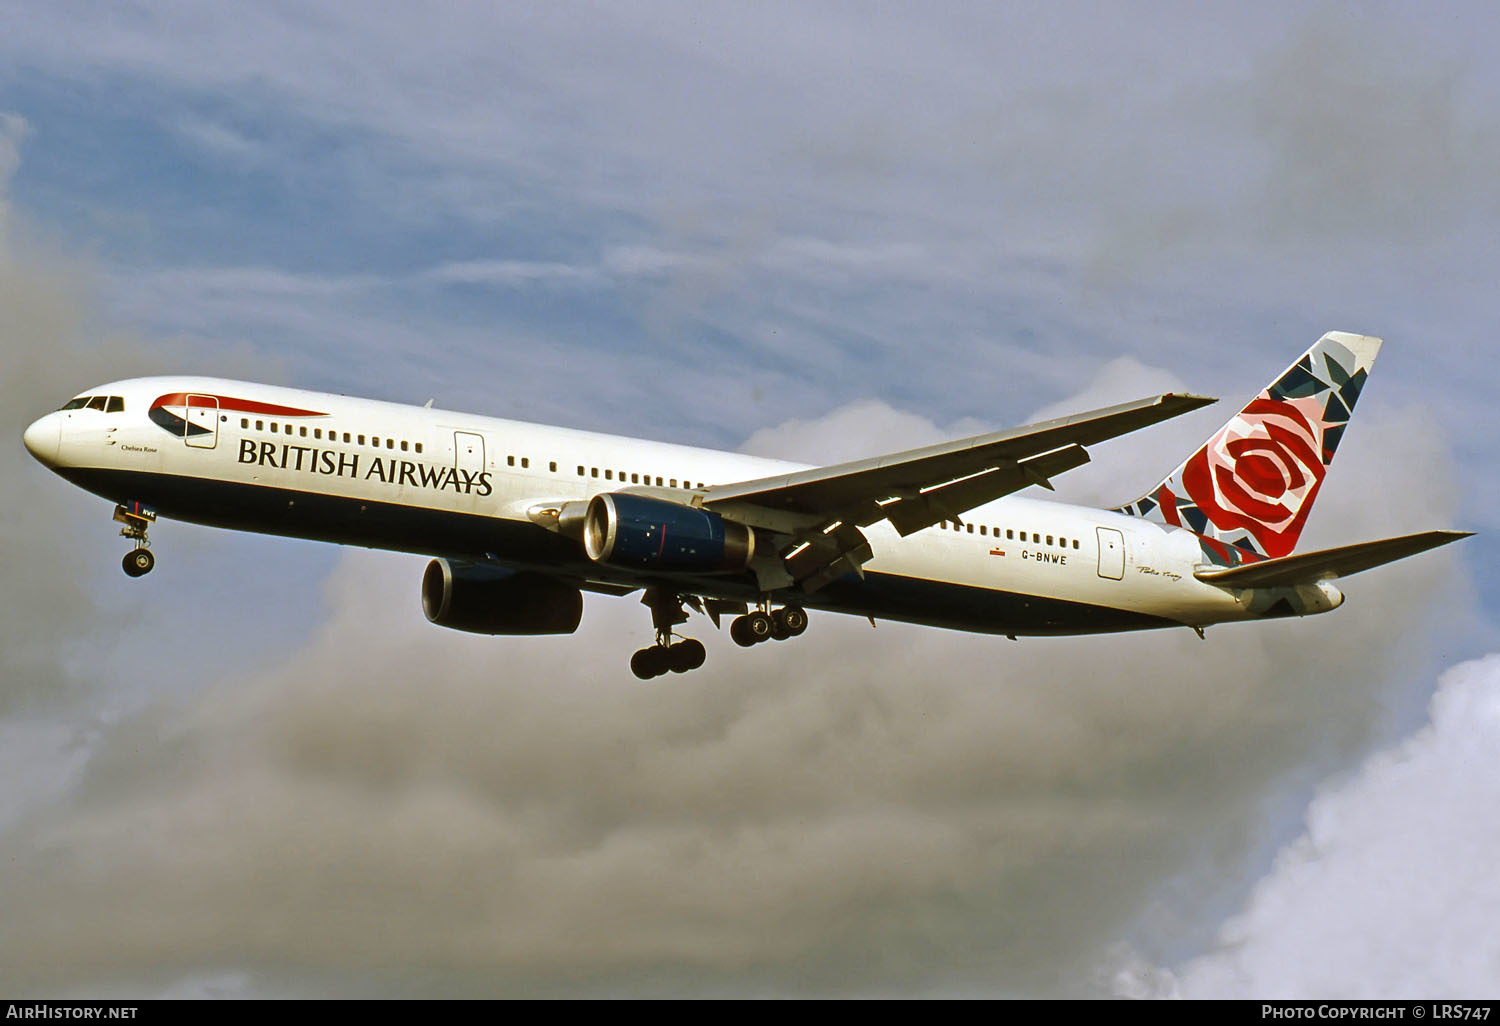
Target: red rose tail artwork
1247	492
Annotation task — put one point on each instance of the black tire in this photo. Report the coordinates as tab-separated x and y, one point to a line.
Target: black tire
779	630
794	618
138	562
758	627
640	664
692	653
659	660
739	631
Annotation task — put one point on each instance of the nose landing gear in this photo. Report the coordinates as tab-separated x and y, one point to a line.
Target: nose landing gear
136	518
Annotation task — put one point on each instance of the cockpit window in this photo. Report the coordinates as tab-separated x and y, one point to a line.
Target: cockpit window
116	404
97	403
76	404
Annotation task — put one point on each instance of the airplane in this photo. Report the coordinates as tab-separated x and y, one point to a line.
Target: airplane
521	519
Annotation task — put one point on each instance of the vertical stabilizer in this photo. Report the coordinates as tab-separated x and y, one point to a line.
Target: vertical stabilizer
1252	485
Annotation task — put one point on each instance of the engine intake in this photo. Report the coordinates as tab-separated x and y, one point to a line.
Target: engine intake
492	600
641	533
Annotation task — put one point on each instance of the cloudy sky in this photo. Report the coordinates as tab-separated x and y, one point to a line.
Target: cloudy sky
808	230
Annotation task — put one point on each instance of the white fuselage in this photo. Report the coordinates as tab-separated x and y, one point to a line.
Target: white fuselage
357	471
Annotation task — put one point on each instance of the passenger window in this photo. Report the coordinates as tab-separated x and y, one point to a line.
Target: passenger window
674	482
983	529
390	443
419	447
97	403
244	422
403	445
525	463
552	466
302	431
1036	539
658	482
260	425
361	438
593	472
609	475
1049	539
317	432
346	438
116	404
1075	543
635	479
374	441
580	471
273	427
510	461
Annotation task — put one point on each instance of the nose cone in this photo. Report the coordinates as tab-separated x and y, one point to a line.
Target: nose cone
42	439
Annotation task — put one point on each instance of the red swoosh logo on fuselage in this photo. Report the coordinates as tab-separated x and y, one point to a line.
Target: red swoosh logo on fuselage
237	405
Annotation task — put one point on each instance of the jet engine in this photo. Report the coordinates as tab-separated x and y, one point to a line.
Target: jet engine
492	600
641	533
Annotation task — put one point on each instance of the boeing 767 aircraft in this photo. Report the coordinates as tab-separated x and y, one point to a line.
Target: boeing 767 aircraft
521	519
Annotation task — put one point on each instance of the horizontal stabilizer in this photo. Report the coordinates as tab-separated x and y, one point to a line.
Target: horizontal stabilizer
1323	564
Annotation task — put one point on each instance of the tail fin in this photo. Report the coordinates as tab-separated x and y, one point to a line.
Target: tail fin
1252	485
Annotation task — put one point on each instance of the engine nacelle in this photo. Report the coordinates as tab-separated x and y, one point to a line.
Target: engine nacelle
641	533
492	600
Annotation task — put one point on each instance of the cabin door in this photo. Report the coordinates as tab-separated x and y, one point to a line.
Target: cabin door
202	431
1111	553
468	452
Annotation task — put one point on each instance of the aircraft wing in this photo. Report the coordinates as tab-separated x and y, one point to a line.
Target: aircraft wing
1323	564
920	487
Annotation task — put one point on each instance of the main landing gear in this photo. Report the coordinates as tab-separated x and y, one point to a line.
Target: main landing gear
753	628
136	518
667	656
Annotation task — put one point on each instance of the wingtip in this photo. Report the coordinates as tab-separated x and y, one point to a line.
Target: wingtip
1188	400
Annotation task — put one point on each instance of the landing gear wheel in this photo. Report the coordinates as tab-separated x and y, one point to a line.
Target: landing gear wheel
758	626
793	619
751	629
138	562
689	655
665	656
642	664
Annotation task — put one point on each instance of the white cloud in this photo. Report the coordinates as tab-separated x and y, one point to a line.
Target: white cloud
1391	891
